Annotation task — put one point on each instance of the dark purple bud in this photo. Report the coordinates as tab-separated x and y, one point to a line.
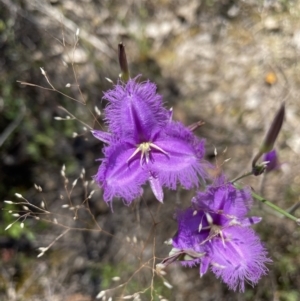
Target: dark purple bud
274	130
268	142
123	63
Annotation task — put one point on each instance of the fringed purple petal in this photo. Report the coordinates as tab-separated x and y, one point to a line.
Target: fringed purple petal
135	109
191	230
119	178
239	258
102	136
204	265
249	221
183	161
156	188
190	263
225	197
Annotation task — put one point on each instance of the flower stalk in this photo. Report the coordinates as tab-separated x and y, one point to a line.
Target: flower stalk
271	205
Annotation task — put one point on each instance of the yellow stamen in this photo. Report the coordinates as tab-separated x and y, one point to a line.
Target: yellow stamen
145	149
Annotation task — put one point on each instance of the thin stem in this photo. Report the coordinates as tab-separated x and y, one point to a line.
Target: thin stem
262	186
262	183
271	205
276	208
255	159
242	176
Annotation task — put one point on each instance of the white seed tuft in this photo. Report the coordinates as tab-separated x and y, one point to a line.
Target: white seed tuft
8	227
37	187
18	195
98	112
100	295
43	71
160	266
109	80
82	173
91	194
8	202
116	278
42	249
215	152
168	241
168	285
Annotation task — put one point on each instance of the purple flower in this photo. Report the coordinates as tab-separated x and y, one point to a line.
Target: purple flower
144	144
216	233
272	159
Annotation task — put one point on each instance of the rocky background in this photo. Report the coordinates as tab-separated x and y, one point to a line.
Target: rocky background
228	63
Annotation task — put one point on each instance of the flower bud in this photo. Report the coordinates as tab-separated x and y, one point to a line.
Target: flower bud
123	63
268	142
274	130
271	160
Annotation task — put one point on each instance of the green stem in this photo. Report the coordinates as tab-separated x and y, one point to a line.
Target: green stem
242	176
274	207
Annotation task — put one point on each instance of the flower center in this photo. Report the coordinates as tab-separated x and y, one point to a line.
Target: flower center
214	229
145	149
